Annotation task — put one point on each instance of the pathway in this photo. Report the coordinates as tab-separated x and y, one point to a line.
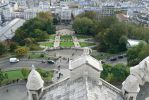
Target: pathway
57	41
75	41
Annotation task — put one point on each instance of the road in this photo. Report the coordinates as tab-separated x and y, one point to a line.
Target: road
7	65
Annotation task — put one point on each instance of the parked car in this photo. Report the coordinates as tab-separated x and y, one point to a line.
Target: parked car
120	56
113	59
50	62
13	60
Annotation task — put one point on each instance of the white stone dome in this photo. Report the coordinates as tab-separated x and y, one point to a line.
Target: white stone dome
34	81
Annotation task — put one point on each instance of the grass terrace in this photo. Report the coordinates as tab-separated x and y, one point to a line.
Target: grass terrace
66	37
17	75
37	55
86	44
52	37
14	74
66	44
48	44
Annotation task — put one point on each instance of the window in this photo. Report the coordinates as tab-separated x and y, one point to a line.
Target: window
34	96
131	98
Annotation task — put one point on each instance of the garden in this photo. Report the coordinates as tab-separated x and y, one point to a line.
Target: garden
66	44
66	37
22	74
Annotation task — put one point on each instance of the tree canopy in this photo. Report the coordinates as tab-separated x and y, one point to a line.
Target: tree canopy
37	28
84	26
137	54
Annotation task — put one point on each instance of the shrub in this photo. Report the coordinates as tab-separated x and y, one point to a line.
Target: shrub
115	73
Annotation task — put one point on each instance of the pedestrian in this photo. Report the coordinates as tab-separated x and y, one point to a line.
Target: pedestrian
7	90
59	67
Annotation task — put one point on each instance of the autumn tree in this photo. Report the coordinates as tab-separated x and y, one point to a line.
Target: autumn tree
21	51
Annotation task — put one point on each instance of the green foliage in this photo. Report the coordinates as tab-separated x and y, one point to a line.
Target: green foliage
2	76
137	54
34	47
47	75
36	29
113	39
25	72
21	51
41	55
13	46
106	22
89	14
138	32
116	73
2	48
84	26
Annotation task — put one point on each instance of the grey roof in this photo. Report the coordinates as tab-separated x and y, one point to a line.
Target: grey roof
7	32
77	62
80	89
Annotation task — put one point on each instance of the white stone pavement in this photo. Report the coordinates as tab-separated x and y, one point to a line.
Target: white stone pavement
57	40
75	41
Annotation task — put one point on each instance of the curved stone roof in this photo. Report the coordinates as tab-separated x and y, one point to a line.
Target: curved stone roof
131	84
35	81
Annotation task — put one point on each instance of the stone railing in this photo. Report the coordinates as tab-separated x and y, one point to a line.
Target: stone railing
45	89
61	48
115	89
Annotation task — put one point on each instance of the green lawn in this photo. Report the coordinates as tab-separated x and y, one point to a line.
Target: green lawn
86	44
48	44
14	74
66	44
52	37
37	55
66	37
17	74
83	36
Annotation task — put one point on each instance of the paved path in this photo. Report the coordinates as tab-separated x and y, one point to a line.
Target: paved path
75	41
57	41
14	92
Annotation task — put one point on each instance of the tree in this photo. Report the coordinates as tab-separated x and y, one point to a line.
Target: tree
25	72
21	51
36	29
116	73
137	54
13	46
106	22
2	48
113	39
89	14
2	76
84	26
45	16
40	35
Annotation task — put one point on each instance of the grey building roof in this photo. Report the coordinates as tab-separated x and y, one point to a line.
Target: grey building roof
80	89
83	86
7	32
